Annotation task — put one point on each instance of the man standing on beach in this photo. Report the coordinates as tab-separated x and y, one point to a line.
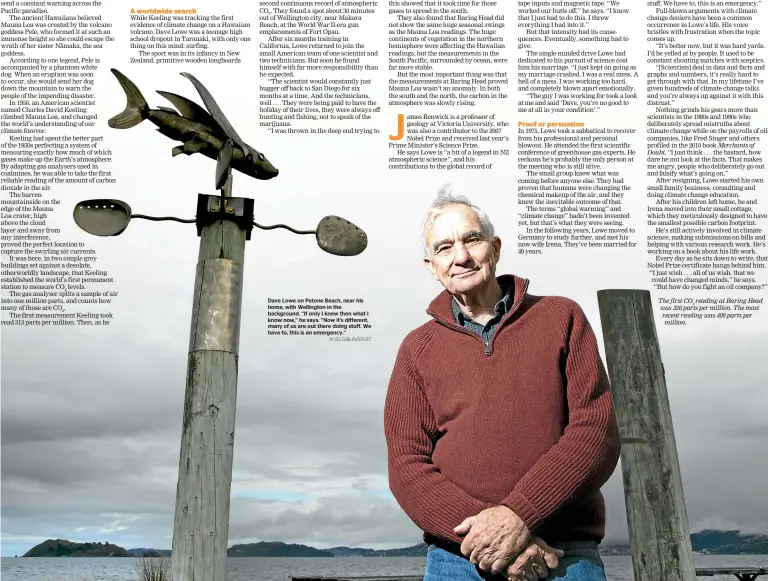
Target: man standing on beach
498	418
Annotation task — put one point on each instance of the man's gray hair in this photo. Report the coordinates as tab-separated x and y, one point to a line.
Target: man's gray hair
446	197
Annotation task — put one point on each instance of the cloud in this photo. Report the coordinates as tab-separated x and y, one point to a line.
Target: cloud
341	519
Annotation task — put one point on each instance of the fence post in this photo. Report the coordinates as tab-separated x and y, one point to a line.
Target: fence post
659	535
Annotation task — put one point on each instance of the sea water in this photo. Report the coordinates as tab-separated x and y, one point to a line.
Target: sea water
281	569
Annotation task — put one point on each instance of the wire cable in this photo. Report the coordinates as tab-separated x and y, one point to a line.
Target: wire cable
286	227
162	218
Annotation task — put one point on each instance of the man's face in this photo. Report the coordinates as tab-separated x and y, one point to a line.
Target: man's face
461	256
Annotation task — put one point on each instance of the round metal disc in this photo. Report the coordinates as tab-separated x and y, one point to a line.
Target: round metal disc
340	237
102	217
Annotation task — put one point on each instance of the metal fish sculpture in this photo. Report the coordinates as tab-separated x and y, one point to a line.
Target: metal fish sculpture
200	131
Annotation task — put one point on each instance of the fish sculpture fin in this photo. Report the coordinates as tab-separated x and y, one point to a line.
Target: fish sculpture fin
223	163
192	146
192	111
217	113
136	109
170	110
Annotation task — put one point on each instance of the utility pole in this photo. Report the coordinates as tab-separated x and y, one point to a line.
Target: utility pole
201	521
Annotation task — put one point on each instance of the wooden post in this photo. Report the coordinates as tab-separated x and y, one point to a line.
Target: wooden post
659	536
201	521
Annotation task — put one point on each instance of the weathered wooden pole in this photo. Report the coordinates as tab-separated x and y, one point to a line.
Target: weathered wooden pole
659	536
201	522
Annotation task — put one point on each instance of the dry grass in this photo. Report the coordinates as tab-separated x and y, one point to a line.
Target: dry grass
153	568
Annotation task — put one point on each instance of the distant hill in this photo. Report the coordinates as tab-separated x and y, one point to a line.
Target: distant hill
419	550
149	552
610	550
64	548
729	543
266	549
711	542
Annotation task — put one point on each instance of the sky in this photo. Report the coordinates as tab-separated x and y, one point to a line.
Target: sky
91	419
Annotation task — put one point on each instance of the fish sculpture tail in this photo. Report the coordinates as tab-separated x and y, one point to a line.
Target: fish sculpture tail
135	110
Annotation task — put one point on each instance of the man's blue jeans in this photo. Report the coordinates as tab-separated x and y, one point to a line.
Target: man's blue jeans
581	562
